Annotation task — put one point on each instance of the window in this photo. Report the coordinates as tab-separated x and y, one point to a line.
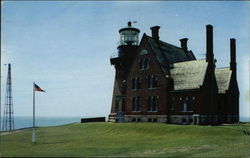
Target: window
144	64
190	106
136	107
153	103
187	105
172	107
136	83
184	107
129	37
143	52
152	81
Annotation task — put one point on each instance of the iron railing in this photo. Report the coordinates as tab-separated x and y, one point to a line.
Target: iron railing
114	55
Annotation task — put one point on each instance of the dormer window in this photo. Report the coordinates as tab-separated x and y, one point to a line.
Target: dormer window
144	64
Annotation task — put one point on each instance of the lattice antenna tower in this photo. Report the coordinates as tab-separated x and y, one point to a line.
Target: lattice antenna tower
8	117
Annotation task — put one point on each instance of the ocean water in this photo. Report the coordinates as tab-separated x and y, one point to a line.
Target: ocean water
24	122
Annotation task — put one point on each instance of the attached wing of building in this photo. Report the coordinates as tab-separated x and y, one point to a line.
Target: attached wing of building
189	74
223	77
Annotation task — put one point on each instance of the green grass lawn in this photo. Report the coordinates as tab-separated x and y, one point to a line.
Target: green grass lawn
130	139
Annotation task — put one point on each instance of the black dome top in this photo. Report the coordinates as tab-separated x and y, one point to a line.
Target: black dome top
129	27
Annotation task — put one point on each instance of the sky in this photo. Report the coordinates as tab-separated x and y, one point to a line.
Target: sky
65	47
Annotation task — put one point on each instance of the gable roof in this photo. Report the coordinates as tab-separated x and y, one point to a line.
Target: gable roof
189	74
223	76
167	53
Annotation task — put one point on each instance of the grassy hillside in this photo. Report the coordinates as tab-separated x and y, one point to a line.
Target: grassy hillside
130	139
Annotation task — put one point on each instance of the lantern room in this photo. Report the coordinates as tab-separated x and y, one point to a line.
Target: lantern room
129	35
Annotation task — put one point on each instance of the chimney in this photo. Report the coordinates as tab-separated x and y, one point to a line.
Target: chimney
209	42
233	55
232	51
184	43
155	32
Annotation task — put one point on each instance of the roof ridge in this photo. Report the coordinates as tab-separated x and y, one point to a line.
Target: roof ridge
220	68
188	61
164	42
170	44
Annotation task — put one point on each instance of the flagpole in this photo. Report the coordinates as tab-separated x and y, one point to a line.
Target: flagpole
33	133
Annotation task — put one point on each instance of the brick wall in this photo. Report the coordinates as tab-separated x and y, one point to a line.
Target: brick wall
144	91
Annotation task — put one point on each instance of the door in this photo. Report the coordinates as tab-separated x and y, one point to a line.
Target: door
196	120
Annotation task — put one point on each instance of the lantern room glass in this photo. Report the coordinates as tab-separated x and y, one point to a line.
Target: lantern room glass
129	37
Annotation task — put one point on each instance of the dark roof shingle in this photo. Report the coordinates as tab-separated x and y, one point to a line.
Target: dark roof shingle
168	54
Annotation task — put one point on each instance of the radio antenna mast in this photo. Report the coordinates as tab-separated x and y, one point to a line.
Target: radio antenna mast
8	118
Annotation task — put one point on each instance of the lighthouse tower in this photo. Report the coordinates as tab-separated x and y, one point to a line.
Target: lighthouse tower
122	60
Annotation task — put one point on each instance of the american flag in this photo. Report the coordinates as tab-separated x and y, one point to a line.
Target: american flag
37	88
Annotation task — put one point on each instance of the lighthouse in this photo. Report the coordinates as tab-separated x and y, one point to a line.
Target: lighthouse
122	61
190	91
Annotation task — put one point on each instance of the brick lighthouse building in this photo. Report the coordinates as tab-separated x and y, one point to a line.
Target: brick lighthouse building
158	82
